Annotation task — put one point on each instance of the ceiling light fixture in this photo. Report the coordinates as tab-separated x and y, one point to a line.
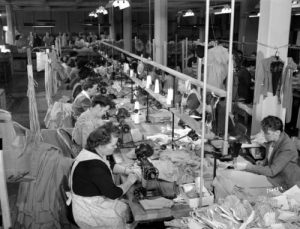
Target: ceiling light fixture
93	14
101	10
189	13
295	4
122	4
225	10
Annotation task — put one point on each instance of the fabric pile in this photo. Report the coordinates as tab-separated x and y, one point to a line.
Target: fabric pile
187	164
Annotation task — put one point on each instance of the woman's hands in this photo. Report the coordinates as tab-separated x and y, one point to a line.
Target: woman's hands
132	178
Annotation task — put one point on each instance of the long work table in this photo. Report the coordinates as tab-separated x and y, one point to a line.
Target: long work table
139	213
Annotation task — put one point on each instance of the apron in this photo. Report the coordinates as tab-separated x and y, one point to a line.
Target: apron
97	211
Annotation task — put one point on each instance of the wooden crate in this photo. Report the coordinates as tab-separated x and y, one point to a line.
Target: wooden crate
2	99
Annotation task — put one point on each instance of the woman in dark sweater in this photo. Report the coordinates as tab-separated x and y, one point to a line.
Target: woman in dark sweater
95	197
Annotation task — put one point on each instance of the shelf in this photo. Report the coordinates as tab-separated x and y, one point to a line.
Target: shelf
158	97
217	91
192	123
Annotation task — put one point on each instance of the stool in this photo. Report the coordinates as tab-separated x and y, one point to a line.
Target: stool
2	99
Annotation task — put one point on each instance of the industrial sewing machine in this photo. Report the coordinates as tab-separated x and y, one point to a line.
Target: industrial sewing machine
150	185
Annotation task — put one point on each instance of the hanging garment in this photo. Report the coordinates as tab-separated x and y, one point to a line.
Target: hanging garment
287	89
40	201
96	211
217	68
276	69
264	75
40	61
244	85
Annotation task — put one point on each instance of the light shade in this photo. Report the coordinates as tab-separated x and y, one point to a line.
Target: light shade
224	10
122	4
295	4
101	10
189	13
93	14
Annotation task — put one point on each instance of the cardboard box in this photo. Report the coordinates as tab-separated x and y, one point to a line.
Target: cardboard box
207	198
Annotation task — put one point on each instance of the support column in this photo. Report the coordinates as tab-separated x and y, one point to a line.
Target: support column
243	23
160	28
10	34
112	32
127	29
273	31
2	39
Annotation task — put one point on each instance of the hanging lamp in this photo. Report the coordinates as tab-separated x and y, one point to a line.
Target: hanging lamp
122	4
189	13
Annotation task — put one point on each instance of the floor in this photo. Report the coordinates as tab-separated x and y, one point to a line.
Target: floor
17	104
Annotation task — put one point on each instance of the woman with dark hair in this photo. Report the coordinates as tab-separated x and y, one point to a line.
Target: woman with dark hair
91	119
95	197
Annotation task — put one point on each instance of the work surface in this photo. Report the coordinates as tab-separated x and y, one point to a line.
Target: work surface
139	213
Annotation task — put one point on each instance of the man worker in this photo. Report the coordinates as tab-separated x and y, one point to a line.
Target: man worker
280	164
83	100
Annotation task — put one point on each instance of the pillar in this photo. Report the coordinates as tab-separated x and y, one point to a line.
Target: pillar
2	39
243	22
112	32
10	34
127	29
160	28
273	31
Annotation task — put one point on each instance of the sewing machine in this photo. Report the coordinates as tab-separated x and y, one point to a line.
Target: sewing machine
150	186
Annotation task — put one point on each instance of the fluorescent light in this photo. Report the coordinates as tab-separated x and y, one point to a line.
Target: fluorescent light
255	15
43	26
189	13
297	14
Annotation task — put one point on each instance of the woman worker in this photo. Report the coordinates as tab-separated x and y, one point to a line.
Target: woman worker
91	119
95	197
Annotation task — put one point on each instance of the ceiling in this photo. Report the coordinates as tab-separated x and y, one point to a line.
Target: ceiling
88	5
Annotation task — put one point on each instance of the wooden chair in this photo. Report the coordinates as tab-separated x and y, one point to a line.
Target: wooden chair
66	139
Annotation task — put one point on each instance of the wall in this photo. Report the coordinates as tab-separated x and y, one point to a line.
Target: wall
65	21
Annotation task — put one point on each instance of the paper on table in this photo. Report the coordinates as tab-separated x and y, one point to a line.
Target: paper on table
251	145
294	193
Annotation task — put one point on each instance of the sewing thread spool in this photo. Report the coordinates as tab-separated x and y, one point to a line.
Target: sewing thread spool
134	94
136	118
136	105
170	96
131	73
187	85
156	88
148	82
